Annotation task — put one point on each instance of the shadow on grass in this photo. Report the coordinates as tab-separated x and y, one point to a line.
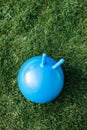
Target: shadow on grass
73	85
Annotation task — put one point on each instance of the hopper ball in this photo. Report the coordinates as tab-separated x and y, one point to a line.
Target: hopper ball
41	79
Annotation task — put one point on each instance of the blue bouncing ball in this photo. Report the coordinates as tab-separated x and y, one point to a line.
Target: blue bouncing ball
41	79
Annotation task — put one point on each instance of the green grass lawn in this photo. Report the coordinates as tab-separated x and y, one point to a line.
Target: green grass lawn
29	28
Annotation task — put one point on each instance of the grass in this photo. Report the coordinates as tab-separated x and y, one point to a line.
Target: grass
29	28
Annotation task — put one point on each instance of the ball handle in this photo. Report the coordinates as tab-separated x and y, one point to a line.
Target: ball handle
43	59
61	61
